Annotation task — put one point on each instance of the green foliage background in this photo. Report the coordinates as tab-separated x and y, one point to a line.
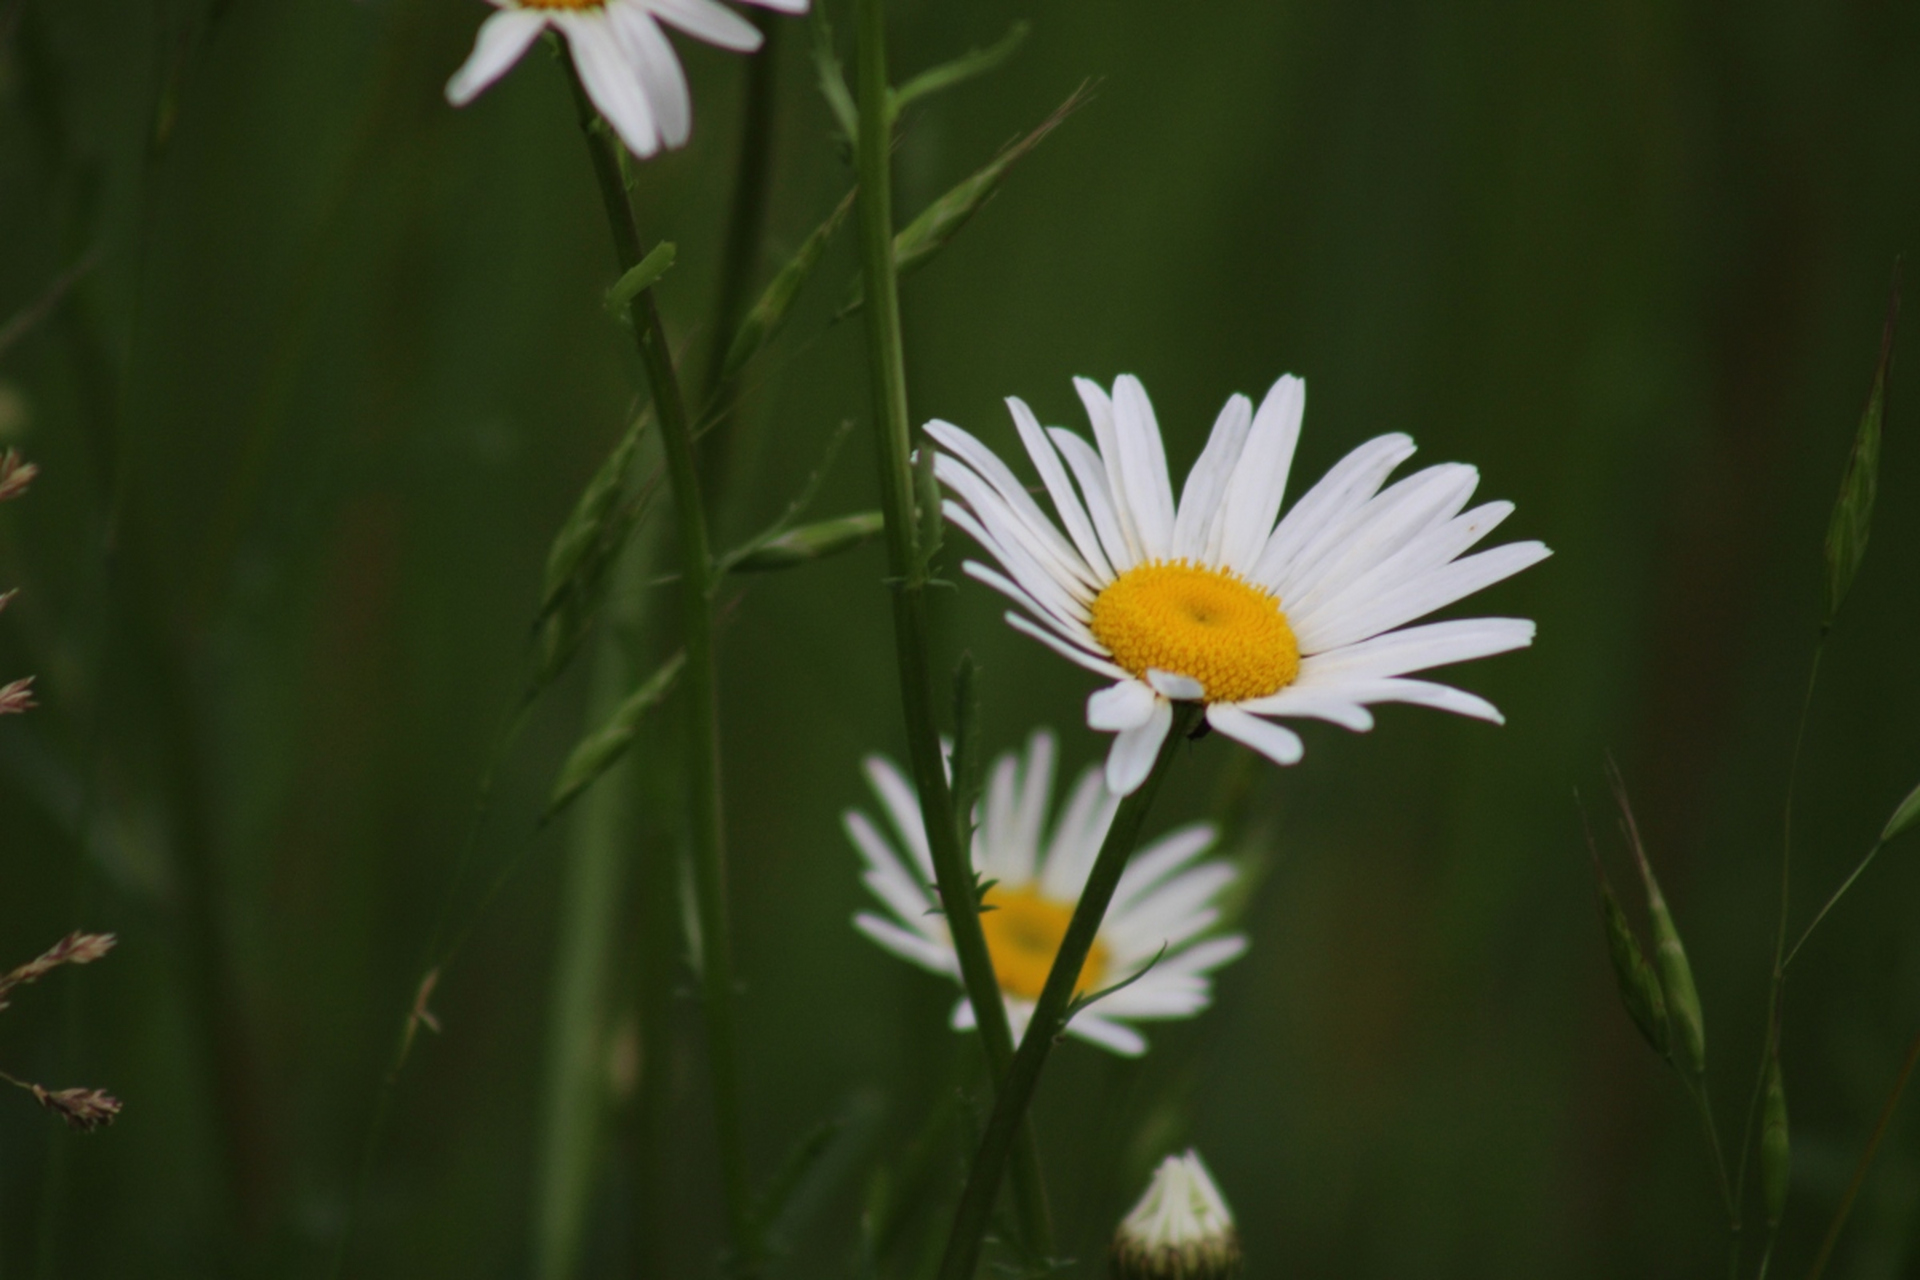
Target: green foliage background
345	348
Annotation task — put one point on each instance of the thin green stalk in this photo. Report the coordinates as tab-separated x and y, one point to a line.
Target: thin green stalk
1776	985
1866	1161
1838	894
747	221
907	566
970	1220
703	708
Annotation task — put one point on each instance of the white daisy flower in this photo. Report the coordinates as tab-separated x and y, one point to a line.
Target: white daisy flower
1165	898
1209	600
624	60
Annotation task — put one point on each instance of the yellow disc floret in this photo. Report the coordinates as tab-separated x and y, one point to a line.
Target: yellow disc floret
1024	932
1209	625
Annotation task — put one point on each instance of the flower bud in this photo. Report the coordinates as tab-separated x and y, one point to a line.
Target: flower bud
1180	1230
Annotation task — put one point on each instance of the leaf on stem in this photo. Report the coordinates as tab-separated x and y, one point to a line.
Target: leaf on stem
941	221
1904	817
1684	1015
810	542
1852	517
975	62
760	325
1078	1003
643	275
1776	1158
580	561
781	527
832	76
597	751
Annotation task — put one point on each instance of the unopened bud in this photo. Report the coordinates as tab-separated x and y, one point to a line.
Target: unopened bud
84	1109
1180	1230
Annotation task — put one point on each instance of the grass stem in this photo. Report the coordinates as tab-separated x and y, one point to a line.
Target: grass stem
703	737
907	563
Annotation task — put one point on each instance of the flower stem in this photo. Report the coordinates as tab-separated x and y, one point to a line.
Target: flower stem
970	1220
909	573
703	736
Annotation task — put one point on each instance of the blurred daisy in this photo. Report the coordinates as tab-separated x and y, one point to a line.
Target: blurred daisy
1165	899
1211	601
624	60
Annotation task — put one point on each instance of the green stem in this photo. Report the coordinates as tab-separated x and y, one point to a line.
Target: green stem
1866	1161
1776	985
970	1220
1838	894
746	223
909	574
703	737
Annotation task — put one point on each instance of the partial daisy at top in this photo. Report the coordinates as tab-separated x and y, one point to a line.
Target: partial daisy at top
629	69
1209	599
1168	898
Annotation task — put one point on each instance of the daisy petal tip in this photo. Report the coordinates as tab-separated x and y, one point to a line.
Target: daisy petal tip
1120	707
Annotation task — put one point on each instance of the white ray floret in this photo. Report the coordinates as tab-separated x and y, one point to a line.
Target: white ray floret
1218	598
1166	903
623	57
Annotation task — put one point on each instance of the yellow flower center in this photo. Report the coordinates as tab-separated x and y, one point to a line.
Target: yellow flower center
1209	625
1024	932
563	4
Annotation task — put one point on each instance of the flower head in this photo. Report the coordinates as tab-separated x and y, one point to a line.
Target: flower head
1166	899
628	67
1180	1230
1209	599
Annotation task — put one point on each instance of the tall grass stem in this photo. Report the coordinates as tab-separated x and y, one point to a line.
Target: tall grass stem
907	565
703	710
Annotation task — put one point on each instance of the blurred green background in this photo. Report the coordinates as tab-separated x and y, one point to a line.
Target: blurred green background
338	368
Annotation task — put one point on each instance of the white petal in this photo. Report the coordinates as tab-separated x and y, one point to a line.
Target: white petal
661	77
1406	511
1313	704
903	809
1077	837
993	842
1111	1036
1423	693
1171	684
781	6
1120	707
1030	810
886	875
711	22
908	946
1134	751
1416	599
1154	919
1019	506
1099	408
1098	665
1143	464
1060	488
1350	482
1091	475
611	79
1069	629
1253	493
1437	644
1194	522
1277	743
501	41
1034	536
1204	957
1154	863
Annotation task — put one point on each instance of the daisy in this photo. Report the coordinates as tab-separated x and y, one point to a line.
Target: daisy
1180	1230
1209	600
623	57
1165	900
